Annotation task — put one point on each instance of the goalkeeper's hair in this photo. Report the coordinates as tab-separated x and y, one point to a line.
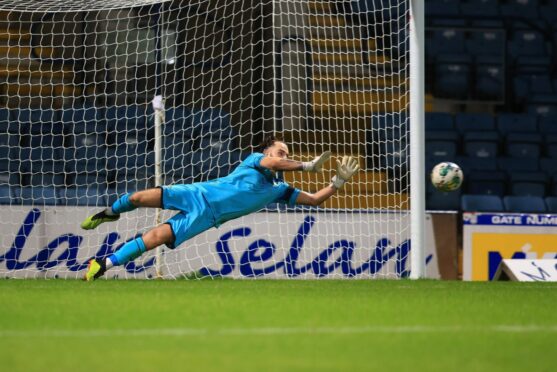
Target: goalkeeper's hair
267	142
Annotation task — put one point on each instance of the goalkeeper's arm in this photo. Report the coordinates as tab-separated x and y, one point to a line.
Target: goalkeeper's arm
345	170
282	164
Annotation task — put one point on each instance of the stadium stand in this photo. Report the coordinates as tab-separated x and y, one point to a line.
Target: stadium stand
482	203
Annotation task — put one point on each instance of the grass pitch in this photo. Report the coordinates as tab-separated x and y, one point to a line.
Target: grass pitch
265	325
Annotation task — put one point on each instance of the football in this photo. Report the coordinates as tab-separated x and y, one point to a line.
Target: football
446	176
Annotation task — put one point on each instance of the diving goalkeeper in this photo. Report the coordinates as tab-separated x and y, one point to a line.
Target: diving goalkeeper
250	187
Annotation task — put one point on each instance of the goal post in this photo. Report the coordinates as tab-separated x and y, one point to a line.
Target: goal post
104	98
417	136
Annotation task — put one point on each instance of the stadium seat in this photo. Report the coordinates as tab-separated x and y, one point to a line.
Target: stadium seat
442	8
86	119
512	165
447	201
213	163
7	124
469	163
180	120
529	183
523	150
483	42
480	8
512	123
480	149
127	124
83	196
524	204
490	82
465	122
43	166
452	80
6	195
481	203
131	164
214	122
541	109
440	127
548	165
37	195
39	128
486	183
9	159
178	166
520	9
551	202
441	150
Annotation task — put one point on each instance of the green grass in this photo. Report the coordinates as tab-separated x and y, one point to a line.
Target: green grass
228	325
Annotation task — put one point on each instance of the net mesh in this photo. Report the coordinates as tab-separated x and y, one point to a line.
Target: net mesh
77	129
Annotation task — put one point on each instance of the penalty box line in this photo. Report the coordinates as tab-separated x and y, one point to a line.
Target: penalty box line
271	331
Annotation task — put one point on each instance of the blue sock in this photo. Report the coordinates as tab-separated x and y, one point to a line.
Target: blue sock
123	205
130	251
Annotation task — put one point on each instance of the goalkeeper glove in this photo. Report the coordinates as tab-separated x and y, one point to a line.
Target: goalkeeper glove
345	170
316	164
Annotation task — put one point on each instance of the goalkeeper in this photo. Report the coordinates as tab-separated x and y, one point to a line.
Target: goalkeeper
250	187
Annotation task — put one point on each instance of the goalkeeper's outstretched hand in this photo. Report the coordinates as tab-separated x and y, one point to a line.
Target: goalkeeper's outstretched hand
316	165
345	170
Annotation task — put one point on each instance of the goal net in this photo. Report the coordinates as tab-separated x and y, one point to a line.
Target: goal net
78	129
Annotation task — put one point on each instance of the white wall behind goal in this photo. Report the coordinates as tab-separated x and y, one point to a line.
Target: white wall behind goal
48	242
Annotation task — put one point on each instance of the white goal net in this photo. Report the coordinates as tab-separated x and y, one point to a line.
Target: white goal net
77	129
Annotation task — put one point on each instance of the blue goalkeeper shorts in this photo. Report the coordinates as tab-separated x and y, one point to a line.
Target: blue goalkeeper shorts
195	215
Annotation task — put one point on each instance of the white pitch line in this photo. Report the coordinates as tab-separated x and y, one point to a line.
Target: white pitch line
503	328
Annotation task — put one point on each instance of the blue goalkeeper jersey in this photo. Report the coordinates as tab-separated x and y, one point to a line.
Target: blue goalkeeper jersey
247	189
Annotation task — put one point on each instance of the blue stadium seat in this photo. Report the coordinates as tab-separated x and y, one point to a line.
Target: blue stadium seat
440	127
129	163
37	195
6	195
551	202
528	42
490	82
529	183
541	109
86	119
442	8
7	123
549	166
452	80
86	165
512	165
447	201
214	122
481	149
520	9
43	166
441	150
439	121
481	203
39	127
127	124
447	41
83	196
486	42
9	159
214	161
523	150
180	120
468	164
509	123
547	124
486	183
474	122
524	204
